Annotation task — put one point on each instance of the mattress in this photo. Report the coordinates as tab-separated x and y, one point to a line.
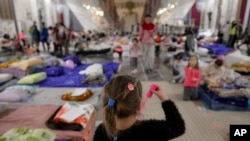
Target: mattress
218	49
18	73
30	116
8	84
72	78
53	95
235	57
214	102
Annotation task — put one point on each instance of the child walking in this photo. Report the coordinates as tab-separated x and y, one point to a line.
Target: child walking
121	105
192	79
134	49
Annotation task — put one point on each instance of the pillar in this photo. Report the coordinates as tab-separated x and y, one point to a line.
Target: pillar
247	15
48	12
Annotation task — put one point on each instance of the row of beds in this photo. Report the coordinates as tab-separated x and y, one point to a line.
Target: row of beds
29	113
237	61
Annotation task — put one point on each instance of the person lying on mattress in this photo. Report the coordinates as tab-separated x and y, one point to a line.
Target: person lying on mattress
121	105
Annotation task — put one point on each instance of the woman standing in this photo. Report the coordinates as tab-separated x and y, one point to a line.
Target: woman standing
146	35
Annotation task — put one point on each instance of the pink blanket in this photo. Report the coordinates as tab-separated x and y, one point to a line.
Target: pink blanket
34	116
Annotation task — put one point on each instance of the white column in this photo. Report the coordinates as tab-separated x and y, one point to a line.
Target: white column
53	8
48	12
34	10
224	13
247	15
66	14
234	9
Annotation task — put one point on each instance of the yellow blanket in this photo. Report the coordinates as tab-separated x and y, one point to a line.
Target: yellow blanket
7	64
24	64
241	66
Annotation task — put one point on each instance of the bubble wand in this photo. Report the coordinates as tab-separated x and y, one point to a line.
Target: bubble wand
149	94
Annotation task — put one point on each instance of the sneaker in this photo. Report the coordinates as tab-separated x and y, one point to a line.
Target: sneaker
152	71
173	81
135	71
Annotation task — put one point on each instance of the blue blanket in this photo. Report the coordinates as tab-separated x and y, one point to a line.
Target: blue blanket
72	78
218	49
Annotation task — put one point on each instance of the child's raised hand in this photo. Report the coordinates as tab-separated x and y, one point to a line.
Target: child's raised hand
160	94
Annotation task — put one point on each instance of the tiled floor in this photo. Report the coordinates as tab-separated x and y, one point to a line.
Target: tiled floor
202	124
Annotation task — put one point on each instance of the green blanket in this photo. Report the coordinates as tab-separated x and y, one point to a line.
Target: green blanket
28	134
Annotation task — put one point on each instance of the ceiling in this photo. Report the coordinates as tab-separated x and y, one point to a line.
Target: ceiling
116	10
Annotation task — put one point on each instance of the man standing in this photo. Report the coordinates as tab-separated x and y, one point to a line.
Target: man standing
44	36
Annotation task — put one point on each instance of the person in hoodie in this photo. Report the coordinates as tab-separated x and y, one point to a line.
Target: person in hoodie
44	34
146	36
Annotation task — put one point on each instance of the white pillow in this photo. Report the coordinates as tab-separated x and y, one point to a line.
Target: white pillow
5	77
93	70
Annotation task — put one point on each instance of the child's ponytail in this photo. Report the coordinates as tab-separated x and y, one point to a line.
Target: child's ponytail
109	115
121	99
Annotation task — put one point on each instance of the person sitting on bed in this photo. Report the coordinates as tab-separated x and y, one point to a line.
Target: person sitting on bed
121	105
215	70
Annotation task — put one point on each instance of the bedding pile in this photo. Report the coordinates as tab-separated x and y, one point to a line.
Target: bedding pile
28	118
18	93
47	71
226	90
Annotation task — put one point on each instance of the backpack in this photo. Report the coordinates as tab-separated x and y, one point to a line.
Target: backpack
31	29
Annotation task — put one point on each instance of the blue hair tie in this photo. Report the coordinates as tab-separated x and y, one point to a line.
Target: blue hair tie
111	102
115	138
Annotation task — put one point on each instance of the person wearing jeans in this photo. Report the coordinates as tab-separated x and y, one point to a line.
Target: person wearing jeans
146	35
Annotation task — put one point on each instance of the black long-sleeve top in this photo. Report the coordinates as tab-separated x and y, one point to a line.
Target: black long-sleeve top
150	130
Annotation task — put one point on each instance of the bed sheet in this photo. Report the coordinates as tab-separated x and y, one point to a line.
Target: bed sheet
218	49
30	116
72	78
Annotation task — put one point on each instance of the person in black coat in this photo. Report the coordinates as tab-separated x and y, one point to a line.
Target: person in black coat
36	38
121	106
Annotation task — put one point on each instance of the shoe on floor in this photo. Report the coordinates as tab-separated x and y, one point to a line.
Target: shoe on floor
152	71
135	71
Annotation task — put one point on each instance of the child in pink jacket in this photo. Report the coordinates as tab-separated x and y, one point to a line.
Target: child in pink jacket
134	49
192	79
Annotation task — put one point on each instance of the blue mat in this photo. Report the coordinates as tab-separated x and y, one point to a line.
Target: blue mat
218	49
214	102
71	78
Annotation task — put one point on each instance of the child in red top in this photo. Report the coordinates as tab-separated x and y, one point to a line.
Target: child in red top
192	79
